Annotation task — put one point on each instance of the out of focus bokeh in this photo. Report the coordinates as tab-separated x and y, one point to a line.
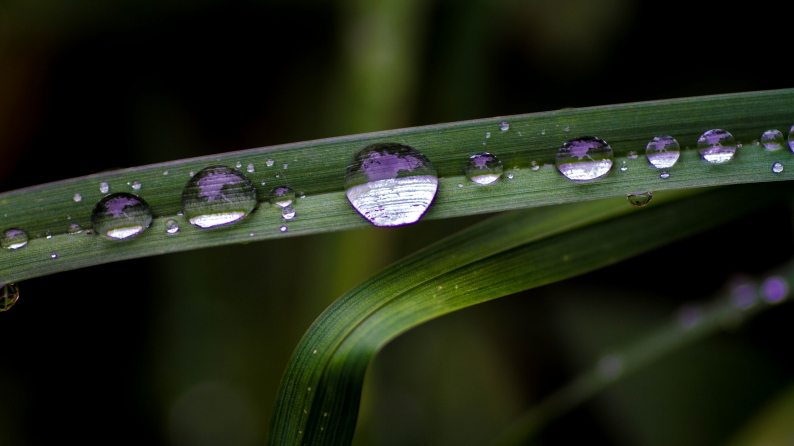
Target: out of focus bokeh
189	348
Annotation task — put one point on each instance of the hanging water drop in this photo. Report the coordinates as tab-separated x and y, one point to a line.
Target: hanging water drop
171	227
14	239
283	228
664	175
9	295
483	168
77	198
639	199
75	229
191	173
136	185
282	196
777	167
623	166
716	146
390	184
663	152
269	163
504	126
585	158
250	168
104	187
218	196
772	140
288	213
121	216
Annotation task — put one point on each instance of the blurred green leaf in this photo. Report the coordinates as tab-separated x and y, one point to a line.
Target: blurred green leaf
773	425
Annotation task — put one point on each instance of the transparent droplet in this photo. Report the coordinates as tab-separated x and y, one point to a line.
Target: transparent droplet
390	184
772	139
48	235
283	229
121	215
269	163
238	165
566	129
278	175
483	168
632	155
171	227
250	168
288	213
623	166
14	239
663	152
716	146
487	135
282	196
165	172
9	295
609	367
54	255
534	165
192	173
218	196
286	166
460	185
774	289
77	197
543	132
136	185
509	176
75	229
585	158
504	126
777	167
639	199
664	175
104	187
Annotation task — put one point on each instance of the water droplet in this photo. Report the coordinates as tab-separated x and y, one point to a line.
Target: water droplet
283	229
774	289
165	172
504	126
104	187
663	152
54	255
623	166
77	197
664	175
171	227
14	239
192	173
460	185
75	229
48	235
269	163
509	176
68	217
566	129
487	135
777	167
282	196
238	165
251	234
278	175
9	295
136	185
286	166
543	132
609	367
484	168
585	158
772	139
791	138
716	146
632	155
390	184
218	196
121	215
288	213
639	199
250	168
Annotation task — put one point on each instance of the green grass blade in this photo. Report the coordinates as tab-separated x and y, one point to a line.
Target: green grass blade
319	394
317	168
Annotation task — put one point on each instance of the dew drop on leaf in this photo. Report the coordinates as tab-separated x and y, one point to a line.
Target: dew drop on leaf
269	163
171	227
14	239
218	196
772	140
136	185
77	198
585	158
716	146
483	168
663	152
121	216
282	196
283	229
777	167
104	187
504	126
288	213
9	295
664	175
75	229
54	255
639	199
623	167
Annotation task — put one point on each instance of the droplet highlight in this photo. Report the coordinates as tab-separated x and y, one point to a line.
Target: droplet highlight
218	196
121	216
777	167
664	175
483	169
14	239
390	184
75	229
663	152
716	146
772	140
283	229
584	159
639	199
624	167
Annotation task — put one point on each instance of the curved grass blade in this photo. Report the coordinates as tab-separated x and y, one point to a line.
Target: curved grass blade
319	394
317	168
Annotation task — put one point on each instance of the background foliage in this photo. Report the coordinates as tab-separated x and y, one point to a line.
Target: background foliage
189	348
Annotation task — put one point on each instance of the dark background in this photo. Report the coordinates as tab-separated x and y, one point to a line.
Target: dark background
189	348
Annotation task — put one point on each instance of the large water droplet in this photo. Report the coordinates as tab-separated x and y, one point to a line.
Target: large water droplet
390	184
282	196
585	158
104	187
121	215
716	146
484	168
14	239
791	138
663	152
777	167
9	295
772	139
218	196
171	227
639	199
504	126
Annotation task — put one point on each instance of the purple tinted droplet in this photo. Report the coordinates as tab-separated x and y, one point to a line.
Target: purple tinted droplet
774	289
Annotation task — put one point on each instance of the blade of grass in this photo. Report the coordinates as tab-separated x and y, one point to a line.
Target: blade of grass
319	394
317	169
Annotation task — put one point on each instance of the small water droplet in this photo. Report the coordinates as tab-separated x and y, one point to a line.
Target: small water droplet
543	132
487	135
286	166
263	182
664	175
48	235
288	213
566	129
171	227
390	184
218	196
121	216
180	213
632	155
14	239
585	158
75	229
250	168
774	289
9	295
104	187
269	163
238	165
303	195
772	139
278	175
282	196
504	126
483	168
251	234
777	167
136	185
609	367
283	229
623	166
460	185
639	199
77	197
54	255
663	152
509	176
165	172
716	146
